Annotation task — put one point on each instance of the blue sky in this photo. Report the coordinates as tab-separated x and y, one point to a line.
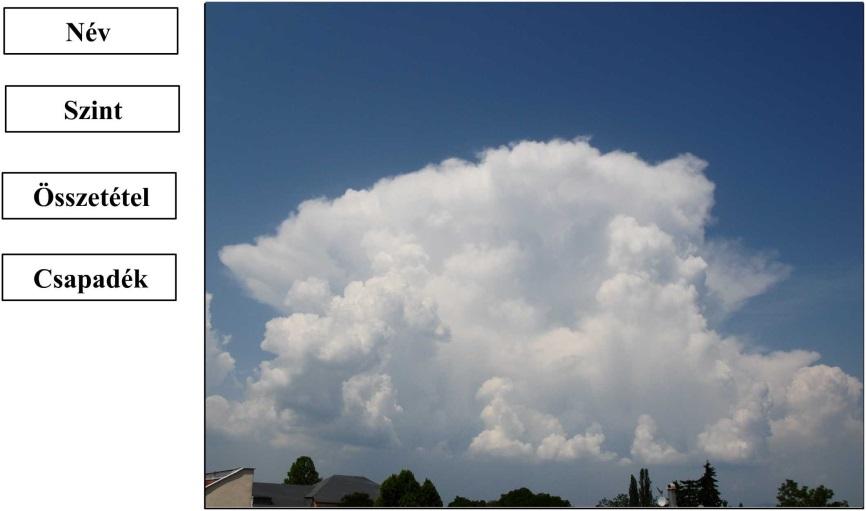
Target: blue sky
306	101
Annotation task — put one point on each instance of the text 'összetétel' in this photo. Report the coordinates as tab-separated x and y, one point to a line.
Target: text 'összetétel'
45	197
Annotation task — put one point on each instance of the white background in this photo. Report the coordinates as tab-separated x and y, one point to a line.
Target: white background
20	274
139	31
102	402
19	190
44	108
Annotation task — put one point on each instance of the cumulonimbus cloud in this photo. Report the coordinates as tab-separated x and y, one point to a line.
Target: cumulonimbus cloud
546	302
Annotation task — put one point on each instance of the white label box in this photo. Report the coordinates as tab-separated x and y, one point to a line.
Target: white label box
88	196
89	277
92	108
90	31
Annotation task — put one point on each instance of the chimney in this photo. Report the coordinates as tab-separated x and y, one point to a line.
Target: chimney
672	494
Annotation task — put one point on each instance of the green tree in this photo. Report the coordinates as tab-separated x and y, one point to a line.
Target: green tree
357	499
687	493
302	471
645	492
708	490
791	494
398	490
620	500
403	490
428	496
633	496
523	497
464	502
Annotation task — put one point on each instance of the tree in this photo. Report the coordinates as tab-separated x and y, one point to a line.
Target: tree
302	471
687	493
708	491
633	496
620	500
791	494
645	492
403	490
700	492
398	490
523	497
464	502
428	496
357	499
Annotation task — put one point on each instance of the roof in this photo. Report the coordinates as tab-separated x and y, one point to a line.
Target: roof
332	489
214	478
280	495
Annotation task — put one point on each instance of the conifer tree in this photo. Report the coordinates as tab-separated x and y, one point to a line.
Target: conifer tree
645	492
687	493
708	490
633	497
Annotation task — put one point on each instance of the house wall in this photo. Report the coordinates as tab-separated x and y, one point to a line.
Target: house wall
234	491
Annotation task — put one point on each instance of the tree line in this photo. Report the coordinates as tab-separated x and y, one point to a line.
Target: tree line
521	497
704	492
403	490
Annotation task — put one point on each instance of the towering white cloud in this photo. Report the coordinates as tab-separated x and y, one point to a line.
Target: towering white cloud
547	303
647	448
544	438
218	362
